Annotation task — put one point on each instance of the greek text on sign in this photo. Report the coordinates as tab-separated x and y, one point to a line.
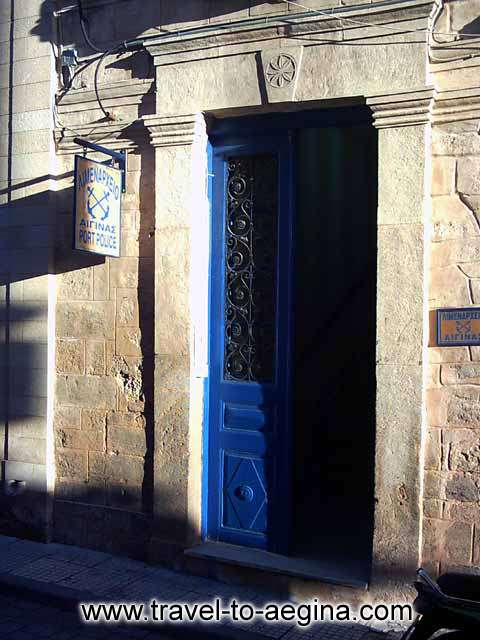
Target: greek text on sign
458	327
98	192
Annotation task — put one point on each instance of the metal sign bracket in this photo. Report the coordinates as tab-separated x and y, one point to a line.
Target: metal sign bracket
119	156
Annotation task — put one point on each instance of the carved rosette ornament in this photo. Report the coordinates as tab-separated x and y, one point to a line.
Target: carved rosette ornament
281	70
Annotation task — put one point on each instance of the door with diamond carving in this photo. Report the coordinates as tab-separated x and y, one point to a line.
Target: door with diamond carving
248	461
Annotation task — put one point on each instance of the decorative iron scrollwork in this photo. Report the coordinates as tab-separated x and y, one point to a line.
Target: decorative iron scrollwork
250	268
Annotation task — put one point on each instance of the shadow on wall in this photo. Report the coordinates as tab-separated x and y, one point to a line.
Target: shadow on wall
36	234
120	20
79	523
471	28
37	220
35	241
114	22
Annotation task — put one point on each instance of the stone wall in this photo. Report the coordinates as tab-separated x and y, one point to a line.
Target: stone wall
222	75
26	290
452	478
122	451
103	415
127	462
452	481
452	454
104	365
128	336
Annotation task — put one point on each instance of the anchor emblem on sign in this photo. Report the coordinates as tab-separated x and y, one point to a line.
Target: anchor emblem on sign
93	203
464	326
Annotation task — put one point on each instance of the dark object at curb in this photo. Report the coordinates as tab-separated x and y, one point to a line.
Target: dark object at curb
452	604
68	599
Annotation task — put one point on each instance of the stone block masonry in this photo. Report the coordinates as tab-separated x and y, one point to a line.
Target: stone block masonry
104	318
452	462
104	366
451	514
103	361
26	248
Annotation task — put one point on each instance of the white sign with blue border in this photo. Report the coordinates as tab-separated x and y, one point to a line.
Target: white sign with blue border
97	207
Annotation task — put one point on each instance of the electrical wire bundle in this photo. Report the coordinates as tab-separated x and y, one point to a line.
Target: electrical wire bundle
139	43
123	47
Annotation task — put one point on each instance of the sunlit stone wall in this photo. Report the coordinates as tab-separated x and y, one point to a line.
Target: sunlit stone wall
451	537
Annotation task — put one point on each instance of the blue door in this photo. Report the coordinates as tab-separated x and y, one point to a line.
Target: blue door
249	444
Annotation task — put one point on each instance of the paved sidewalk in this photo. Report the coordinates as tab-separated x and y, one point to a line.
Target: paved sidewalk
22	619
57	577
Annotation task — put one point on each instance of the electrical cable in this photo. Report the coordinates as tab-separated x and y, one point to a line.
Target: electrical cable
78	134
60	125
128	45
432	33
434	16
84	65
106	113
332	13
84	29
429	31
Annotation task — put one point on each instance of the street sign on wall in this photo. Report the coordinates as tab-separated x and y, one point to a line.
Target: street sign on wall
458	327
97	200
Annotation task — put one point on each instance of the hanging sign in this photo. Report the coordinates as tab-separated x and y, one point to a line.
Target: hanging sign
458	327
97	221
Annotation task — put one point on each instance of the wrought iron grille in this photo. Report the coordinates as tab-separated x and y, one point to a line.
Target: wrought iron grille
250	268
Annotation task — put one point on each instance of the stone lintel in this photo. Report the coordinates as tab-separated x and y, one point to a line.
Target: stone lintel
132	90
454	50
401	109
456	105
119	133
173	131
207	42
116	135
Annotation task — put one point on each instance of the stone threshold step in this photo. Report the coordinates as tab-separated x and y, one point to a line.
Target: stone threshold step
275	563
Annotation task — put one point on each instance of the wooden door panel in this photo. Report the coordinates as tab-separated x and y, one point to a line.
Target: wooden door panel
248	376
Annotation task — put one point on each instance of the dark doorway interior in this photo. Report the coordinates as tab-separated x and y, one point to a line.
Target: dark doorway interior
334	363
